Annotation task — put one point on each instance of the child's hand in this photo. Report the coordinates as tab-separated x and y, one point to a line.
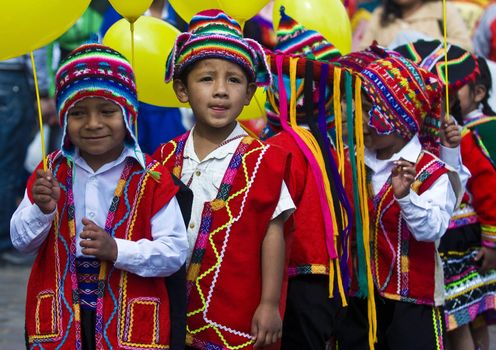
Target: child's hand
402	177
451	135
96	241
46	191
266	326
488	256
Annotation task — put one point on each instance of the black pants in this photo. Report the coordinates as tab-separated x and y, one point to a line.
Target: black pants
88	321
400	325
311	316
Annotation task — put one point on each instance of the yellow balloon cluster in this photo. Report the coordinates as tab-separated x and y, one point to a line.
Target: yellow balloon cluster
28	25
153	40
328	17
131	9
239	10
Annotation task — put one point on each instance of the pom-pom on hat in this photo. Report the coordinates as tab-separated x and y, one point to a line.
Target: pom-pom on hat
406	99
213	34
462	64
95	70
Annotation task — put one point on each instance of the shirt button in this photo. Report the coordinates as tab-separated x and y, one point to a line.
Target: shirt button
192	225
91	214
198	173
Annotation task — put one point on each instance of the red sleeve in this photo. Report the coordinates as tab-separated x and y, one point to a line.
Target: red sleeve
481	187
296	176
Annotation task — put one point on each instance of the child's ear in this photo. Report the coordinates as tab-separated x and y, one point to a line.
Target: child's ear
181	90
480	92
250	91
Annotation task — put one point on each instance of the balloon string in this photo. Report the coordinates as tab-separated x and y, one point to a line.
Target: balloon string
40	117
131	25
445	42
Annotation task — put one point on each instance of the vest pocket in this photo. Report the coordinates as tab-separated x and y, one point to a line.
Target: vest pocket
142	322
46	317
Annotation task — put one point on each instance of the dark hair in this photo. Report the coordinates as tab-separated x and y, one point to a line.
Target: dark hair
391	10
484	79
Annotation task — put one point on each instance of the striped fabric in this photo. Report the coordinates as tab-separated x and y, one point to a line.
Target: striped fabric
406	99
213	34
87	276
462	64
293	39
95	70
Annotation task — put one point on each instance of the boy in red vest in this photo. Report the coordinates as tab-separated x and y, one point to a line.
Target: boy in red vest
413	195
103	219
237	258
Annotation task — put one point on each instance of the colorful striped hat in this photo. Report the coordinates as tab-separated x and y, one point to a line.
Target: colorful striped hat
95	70
406	99
358	60
462	64
294	40
213	34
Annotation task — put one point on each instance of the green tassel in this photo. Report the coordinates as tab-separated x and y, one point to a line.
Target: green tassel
155	175
362	264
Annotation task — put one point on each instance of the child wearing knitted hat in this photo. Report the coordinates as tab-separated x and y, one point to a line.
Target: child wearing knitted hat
468	247
312	307
413	194
236	263
103	219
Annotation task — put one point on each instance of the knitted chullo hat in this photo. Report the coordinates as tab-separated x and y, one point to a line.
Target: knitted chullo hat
95	70
358	60
294	40
309	101
406	99
462	64
213	34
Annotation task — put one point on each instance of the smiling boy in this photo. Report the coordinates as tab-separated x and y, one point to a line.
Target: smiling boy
102	218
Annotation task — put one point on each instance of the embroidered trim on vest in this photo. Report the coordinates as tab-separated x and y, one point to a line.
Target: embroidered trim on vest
87	274
308	269
400	248
206	232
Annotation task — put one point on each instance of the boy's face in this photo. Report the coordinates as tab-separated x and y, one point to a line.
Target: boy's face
96	126
371	139
217	90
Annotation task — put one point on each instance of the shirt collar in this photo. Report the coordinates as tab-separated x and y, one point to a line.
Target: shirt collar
473	116
409	152
127	152
220	152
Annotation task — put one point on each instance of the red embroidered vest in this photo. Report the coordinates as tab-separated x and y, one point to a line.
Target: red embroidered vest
403	268
132	311
309	253
224	276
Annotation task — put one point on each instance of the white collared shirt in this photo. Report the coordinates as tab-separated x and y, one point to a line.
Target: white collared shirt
93	194
204	179
427	215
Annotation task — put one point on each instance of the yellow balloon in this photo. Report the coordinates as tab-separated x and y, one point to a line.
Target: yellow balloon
153	40
239	10
256	108
28	25
131	9
328	17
